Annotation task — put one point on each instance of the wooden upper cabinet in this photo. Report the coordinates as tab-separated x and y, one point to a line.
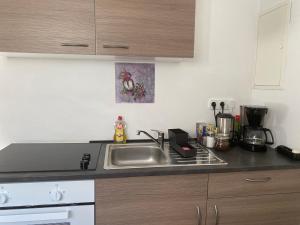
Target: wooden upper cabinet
47	26
150	28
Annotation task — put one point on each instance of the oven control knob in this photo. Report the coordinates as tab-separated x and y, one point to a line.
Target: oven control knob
56	195
3	198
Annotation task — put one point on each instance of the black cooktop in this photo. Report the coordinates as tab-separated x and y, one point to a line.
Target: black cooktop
49	157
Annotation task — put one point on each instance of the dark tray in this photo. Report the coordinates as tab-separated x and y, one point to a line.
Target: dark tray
185	153
288	152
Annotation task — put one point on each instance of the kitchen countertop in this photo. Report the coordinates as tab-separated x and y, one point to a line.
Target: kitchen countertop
237	159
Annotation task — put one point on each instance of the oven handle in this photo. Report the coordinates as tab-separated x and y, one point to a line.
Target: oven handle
34	217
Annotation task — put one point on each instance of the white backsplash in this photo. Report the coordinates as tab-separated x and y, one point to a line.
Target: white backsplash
73	100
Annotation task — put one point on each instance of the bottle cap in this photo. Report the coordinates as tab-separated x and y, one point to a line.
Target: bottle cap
120	118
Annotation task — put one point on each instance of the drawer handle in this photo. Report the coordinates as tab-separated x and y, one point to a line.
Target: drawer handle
74	45
199	215
116	46
22	218
263	180
216	214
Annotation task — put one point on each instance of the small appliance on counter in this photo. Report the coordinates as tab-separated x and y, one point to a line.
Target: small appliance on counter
291	153
225	131
178	140
225	124
254	136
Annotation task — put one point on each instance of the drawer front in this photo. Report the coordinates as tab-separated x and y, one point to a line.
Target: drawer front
157	186
253	183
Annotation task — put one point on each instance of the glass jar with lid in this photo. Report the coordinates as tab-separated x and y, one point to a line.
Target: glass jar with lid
222	142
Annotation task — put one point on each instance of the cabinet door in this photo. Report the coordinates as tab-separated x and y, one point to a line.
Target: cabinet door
260	210
154	28
165	200
47	26
148	210
271	47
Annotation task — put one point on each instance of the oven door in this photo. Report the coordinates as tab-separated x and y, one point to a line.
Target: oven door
69	215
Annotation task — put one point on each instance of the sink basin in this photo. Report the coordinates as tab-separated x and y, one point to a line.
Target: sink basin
149	155
134	156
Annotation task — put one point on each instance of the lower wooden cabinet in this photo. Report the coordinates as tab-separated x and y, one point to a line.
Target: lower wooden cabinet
165	200
147	210
185	200
280	209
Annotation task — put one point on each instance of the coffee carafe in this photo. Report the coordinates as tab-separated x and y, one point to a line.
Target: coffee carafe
254	136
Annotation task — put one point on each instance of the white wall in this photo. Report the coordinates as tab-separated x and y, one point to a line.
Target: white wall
267	4
284	105
60	100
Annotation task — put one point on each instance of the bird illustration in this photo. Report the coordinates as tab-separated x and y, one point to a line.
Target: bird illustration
127	81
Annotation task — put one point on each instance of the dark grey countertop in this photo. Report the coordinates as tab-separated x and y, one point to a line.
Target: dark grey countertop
237	158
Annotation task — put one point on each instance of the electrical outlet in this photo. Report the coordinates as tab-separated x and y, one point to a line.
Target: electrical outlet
229	103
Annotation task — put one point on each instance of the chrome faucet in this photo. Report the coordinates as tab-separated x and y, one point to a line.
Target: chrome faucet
160	140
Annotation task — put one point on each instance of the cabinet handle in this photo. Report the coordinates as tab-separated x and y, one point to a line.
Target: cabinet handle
116	46
199	215
263	180
216	214
74	45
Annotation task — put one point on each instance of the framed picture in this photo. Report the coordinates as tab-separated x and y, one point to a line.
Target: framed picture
135	82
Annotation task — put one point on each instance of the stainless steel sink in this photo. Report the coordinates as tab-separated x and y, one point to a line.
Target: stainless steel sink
136	155
147	155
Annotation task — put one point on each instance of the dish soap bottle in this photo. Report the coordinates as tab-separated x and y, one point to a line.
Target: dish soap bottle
120	134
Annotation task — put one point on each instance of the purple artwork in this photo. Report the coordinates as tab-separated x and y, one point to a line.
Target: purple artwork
135	82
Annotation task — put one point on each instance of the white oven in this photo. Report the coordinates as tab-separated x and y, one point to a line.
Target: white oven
47	203
69	215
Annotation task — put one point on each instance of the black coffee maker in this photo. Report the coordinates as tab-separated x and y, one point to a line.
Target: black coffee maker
254	136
